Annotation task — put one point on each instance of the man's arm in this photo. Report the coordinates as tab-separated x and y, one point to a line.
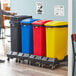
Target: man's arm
4	12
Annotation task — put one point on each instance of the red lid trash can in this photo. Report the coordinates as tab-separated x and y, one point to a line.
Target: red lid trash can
39	37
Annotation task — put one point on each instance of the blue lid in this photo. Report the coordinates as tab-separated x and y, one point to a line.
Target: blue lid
29	20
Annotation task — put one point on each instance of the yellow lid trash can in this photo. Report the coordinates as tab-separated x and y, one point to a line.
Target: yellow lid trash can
56	39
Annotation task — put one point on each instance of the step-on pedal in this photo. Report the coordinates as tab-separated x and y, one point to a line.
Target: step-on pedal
9	54
31	59
25	56
38	58
44	60
15	54
20	55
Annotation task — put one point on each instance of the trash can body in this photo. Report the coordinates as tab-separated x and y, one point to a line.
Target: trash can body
56	39
39	37
16	32
27	35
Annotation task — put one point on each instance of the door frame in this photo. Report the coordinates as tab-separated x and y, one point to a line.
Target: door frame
70	53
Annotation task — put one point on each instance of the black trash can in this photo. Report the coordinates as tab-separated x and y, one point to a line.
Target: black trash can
16	32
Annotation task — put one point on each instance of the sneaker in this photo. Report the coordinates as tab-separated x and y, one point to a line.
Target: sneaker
2	61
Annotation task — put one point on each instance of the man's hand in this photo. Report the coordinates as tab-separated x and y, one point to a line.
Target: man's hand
13	14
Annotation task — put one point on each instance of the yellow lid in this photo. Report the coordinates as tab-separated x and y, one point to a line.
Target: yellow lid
56	23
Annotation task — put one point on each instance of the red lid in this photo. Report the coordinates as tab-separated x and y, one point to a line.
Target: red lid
41	22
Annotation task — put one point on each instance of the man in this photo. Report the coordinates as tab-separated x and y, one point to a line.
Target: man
2	12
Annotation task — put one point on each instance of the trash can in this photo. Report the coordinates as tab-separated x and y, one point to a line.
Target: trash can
39	35
16	32
56	39
27	35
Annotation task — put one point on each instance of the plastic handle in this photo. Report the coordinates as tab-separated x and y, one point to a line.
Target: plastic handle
57	26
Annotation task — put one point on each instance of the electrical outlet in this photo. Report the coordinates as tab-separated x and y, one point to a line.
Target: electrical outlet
59	10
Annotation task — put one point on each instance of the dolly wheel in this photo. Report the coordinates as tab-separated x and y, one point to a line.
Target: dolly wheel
16	60
8	59
53	67
19	61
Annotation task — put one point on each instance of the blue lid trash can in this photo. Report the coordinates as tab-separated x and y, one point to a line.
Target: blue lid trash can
27	35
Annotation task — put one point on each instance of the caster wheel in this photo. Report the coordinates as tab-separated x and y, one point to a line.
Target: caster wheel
16	60
53	67
8	59
19	61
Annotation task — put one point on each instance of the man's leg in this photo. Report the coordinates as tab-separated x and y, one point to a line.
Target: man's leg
0	30
1	61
